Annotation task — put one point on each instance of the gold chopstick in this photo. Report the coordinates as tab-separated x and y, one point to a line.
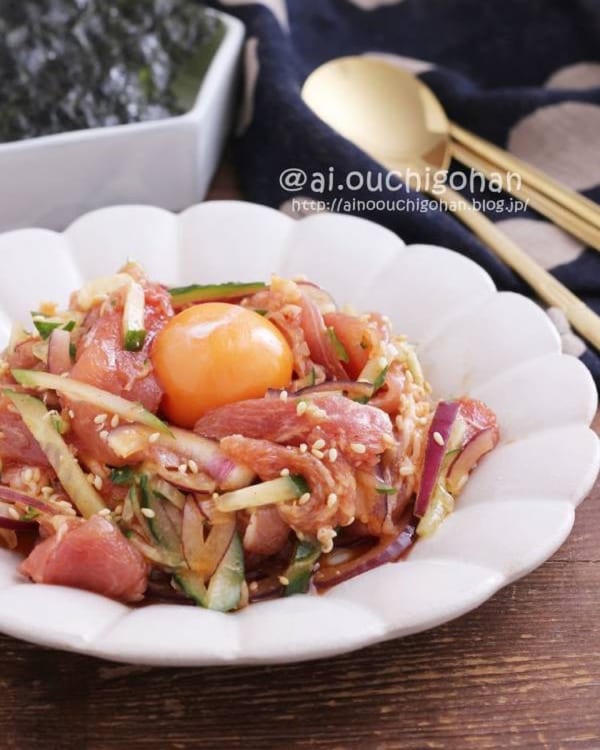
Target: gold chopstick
584	208
556	212
547	287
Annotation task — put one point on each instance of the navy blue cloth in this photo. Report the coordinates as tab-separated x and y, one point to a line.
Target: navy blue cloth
495	66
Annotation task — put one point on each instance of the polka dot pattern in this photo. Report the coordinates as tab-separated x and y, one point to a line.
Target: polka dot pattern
562	140
576	77
547	244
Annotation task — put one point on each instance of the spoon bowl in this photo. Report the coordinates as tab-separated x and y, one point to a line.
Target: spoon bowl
386	111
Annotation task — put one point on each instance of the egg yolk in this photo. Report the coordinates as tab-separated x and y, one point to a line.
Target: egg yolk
214	354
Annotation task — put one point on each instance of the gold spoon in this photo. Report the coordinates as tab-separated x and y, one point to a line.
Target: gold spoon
398	121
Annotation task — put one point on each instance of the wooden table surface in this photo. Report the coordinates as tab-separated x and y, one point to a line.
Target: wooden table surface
521	671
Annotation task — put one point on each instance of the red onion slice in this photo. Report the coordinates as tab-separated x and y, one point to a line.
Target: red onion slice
13	524
199	482
437	439
322	299
480	444
319	344
15	496
385	551
353	388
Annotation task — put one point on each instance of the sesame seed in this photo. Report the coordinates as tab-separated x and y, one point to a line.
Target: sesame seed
119	509
114	422
332	454
283	396
407	471
182	469
154	437
104	435
303	447
332	500
317	454
318	444
98	482
148	512
90	478
100	419
71	414
315	412
358	448
301	408
193	466
104	512
14	513
326	536
215	495
284	581
284	473
27	475
438	438
304	498
253	586
382	362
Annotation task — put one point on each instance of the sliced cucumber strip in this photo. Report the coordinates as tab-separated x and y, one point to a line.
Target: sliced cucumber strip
134	332
78	391
440	505
266	493
39	422
166	490
385	489
374	372
338	347
225	588
189	295
45	326
300	569
192	585
160	525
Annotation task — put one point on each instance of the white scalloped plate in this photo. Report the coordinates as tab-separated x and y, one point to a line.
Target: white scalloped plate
515	512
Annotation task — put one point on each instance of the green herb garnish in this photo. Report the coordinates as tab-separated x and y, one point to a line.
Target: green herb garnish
338	347
124	477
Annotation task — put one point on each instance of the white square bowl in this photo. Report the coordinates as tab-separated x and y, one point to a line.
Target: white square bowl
51	180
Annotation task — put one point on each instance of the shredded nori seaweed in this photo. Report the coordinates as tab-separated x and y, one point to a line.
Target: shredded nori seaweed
70	64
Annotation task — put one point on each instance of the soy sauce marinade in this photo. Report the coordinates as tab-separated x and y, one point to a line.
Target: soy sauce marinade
70	64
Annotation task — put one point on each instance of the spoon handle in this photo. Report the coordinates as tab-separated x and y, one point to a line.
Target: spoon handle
546	286
578	204
556	212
